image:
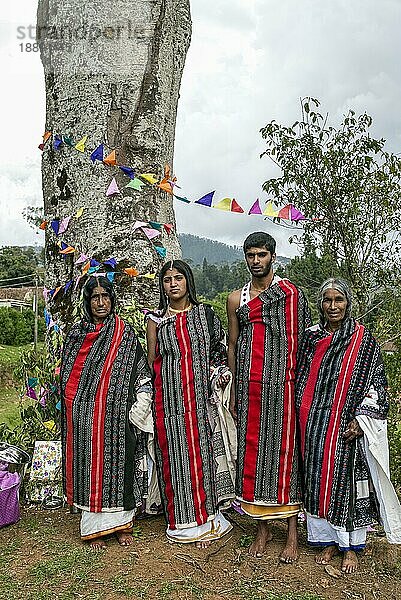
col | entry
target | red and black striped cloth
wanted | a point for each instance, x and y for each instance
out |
(192, 486)
(102, 366)
(334, 376)
(270, 327)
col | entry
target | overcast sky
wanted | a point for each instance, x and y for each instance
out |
(249, 62)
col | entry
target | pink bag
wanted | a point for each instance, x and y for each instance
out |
(9, 496)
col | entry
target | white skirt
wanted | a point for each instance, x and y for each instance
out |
(322, 533)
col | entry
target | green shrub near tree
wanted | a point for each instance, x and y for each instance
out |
(17, 328)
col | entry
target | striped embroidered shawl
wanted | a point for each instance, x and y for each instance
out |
(193, 473)
(270, 325)
(334, 376)
(102, 367)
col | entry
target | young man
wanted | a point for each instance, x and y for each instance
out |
(266, 320)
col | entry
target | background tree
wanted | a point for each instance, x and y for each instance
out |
(349, 188)
(112, 72)
(17, 262)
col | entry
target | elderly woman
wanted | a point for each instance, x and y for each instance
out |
(103, 373)
(194, 430)
(342, 406)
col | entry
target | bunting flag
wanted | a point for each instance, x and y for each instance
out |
(128, 171)
(150, 233)
(168, 228)
(67, 285)
(83, 258)
(138, 225)
(86, 267)
(155, 225)
(224, 204)
(284, 213)
(67, 140)
(63, 226)
(206, 200)
(57, 142)
(110, 276)
(296, 215)
(45, 137)
(79, 213)
(131, 272)
(182, 199)
(149, 275)
(110, 159)
(110, 262)
(55, 224)
(269, 210)
(135, 184)
(32, 382)
(255, 208)
(166, 186)
(43, 225)
(80, 146)
(161, 251)
(113, 188)
(98, 154)
(149, 177)
(67, 250)
(235, 207)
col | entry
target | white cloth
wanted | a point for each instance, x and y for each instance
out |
(104, 522)
(375, 444)
(322, 533)
(214, 529)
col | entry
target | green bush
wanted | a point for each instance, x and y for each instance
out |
(17, 328)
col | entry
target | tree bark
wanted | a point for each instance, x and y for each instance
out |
(113, 73)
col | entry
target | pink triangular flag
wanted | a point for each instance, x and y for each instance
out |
(255, 208)
(64, 225)
(139, 224)
(83, 258)
(113, 188)
(150, 233)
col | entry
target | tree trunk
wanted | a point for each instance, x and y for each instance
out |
(113, 73)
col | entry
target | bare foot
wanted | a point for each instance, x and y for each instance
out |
(97, 544)
(290, 552)
(263, 536)
(202, 545)
(350, 562)
(325, 556)
(124, 538)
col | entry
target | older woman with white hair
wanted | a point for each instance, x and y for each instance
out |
(341, 395)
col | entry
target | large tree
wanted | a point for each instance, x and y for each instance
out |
(112, 72)
(348, 186)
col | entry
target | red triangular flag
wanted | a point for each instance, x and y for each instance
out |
(235, 207)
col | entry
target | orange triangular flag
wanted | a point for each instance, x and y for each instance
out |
(86, 267)
(110, 159)
(166, 186)
(235, 207)
(131, 272)
(43, 225)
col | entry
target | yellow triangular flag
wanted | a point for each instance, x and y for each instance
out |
(149, 177)
(269, 210)
(81, 144)
(224, 204)
(149, 275)
(79, 213)
(50, 425)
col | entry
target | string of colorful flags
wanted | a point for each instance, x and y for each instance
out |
(167, 183)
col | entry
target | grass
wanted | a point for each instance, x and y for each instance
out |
(9, 389)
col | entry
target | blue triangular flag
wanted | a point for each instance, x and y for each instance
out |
(57, 142)
(128, 171)
(206, 200)
(111, 262)
(58, 405)
(155, 225)
(55, 225)
(97, 154)
(110, 276)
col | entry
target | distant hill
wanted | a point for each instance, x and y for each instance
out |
(196, 249)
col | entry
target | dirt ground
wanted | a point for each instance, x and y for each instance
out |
(42, 558)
